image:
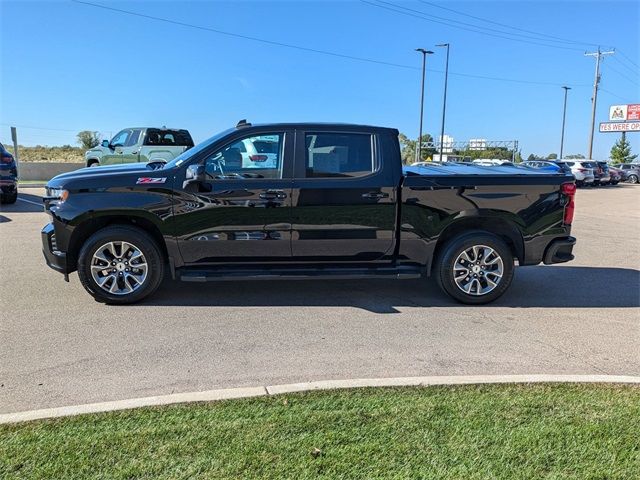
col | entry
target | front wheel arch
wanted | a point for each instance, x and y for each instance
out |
(88, 227)
(151, 271)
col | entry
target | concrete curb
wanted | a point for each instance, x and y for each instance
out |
(246, 392)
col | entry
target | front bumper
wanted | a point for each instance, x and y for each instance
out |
(559, 251)
(54, 257)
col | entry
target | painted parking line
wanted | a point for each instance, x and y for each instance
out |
(30, 201)
(260, 391)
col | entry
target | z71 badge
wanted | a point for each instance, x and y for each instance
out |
(151, 180)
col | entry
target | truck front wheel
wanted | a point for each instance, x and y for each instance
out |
(475, 268)
(120, 265)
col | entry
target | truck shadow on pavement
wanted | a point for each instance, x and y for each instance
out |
(26, 203)
(532, 287)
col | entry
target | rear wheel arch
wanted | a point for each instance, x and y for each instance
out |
(93, 162)
(505, 230)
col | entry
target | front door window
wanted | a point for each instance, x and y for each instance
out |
(120, 140)
(252, 157)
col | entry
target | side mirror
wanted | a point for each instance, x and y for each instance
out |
(194, 174)
(105, 143)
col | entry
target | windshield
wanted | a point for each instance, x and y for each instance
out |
(187, 154)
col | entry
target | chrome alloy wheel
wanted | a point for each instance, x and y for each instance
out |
(478, 270)
(119, 268)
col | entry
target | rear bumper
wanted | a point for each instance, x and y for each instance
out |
(559, 251)
(54, 258)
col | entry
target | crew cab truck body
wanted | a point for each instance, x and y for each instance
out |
(334, 203)
(140, 145)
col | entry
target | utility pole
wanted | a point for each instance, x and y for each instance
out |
(598, 54)
(14, 139)
(424, 63)
(444, 101)
(564, 115)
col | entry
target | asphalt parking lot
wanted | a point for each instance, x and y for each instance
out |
(59, 347)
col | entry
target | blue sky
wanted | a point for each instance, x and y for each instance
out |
(68, 66)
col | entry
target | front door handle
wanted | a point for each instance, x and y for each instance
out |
(375, 195)
(273, 195)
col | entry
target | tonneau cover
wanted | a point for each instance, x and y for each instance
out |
(443, 169)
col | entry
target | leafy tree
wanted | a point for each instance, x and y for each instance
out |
(621, 151)
(408, 148)
(518, 156)
(575, 156)
(531, 157)
(552, 156)
(88, 139)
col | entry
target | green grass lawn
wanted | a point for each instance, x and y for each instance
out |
(465, 432)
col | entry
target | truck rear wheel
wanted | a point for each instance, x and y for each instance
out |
(120, 265)
(475, 268)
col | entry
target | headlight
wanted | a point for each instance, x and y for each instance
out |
(57, 194)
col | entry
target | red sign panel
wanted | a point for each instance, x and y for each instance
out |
(633, 111)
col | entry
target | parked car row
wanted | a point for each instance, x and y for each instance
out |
(589, 172)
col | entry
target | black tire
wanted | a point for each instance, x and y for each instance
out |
(143, 242)
(579, 183)
(632, 179)
(444, 266)
(9, 198)
(93, 163)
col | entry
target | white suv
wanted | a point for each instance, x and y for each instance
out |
(259, 152)
(582, 170)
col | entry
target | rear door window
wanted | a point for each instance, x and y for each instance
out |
(338, 155)
(173, 138)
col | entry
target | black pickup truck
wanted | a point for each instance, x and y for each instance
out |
(295, 201)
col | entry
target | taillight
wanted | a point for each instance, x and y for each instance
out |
(569, 192)
(258, 158)
(6, 159)
(583, 170)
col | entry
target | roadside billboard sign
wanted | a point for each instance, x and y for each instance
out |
(619, 127)
(633, 111)
(623, 113)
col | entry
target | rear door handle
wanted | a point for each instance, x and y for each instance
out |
(375, 195)
(273, 195)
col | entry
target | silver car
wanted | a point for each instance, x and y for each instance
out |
(582, 170)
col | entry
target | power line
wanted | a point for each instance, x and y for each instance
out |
(247, 37)
(454, 24)
(628, 59)
(322, 52)
(631, 69)
(38, 128)
(557, 39)
(609, 67)
(625, 100)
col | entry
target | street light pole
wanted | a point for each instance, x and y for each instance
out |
(444, 101)
(424, 64)
(564, 116)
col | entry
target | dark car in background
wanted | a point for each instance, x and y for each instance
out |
(601, 173)
(617, 175)
(8, 177)
(632, 170)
